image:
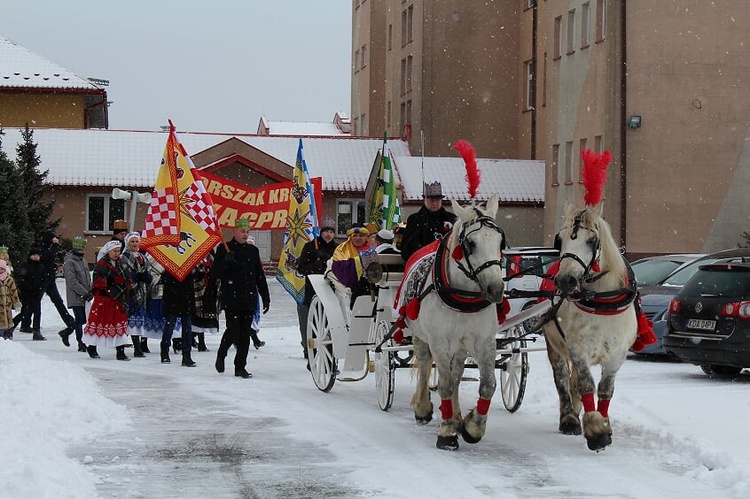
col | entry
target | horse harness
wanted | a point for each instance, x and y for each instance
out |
(462, 300)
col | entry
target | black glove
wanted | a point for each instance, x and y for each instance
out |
(229, 258)
(266, 306)
(88, 296)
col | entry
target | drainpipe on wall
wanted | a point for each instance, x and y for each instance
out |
(623, 128)
(534, 59)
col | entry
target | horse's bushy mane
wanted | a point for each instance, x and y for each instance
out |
(610, 258)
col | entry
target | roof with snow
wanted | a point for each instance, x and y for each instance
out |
(268, 127)
(514, 180)
(97, 157)
(22, 68)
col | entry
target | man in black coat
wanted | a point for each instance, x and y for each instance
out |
(428, 224)
(50, 249)
(242, 279)
(315, 254)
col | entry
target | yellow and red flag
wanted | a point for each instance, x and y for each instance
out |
(181, 225)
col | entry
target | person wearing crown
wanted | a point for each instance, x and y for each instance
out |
(428, 224)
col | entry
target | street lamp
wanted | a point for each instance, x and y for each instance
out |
(134, 198)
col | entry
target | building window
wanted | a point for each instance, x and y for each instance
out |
(598, 143)
(348, 213)
(403, 116)
(390, 37)
(363, 124)
(569, 160)
(408, 73)
(388, 115)
(408, 112)
(585, 25)
(601, 20)
(102, 211)
(529, 65)
(410, 23)
(557, 48)
(581, 148)
(544, 81)
(364, 56)
(403, 76)
(356, 61)
(555, 165)
(571, 31)
(403, 29)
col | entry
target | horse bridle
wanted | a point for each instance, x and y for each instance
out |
(468, 269)
(588, 275)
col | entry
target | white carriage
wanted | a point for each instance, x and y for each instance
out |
(347, 344)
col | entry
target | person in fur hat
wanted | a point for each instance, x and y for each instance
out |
(77, 289)
(108, 320)
(9, 300)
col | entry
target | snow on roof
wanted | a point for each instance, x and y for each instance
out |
(302, 128)
(110, 158)
(22, 68)
(514, 180)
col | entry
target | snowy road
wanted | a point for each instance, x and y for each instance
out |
(196, 433)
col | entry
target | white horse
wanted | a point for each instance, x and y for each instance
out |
(594, 322)
(456, 318)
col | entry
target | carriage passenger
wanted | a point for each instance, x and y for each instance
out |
(347, 265)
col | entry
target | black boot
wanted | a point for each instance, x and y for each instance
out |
(81, 346)
(202, 342)
(37, 335)
(64, 335)
(137, 347)
(222, 352)
(144, 345)
(165, 355)
(187, 361)
(257, 342)
(8, 334)
(91, 349)
(177, 345)
(121, 353)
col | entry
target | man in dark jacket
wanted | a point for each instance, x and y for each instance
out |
(315, 254)
(241, 275)
(428, 224)
(30, 282)
(50, 249)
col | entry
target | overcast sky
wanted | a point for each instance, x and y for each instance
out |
(209, 65)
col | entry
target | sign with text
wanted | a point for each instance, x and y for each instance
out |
(266, 207)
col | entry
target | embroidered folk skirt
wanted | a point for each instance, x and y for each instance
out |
(107, 324)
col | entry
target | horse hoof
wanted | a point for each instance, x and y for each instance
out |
(447, 443)
(599, 442)
(423, 419)
(570, 428)
(468, 437)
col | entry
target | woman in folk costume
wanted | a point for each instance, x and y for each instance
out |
(108, 320)
(351, 258)
(205, 319)
(9, 300)
(138, 272)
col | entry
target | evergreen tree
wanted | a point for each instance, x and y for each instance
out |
(35, 186)
(15, 231)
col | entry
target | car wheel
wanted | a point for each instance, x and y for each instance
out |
(720, 370)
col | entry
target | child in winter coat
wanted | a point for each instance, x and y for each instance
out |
(31, 281)
(77, 290)
(8, 301)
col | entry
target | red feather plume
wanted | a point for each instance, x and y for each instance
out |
(473, 174)
(594, 175)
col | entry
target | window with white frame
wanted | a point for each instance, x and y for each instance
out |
(557, 47)
(529, 65)
(349, 212)
(601, 20)
(101, 212)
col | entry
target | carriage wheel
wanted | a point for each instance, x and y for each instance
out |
(385, 372)
(320, 347)
(513, 373)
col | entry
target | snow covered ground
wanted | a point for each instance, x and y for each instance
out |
(82, 428)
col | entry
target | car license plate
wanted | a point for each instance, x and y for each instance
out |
(704, 324)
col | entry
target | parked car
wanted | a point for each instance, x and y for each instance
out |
(709, 318)
(536, 260)
(652, 270)
(655, 299)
